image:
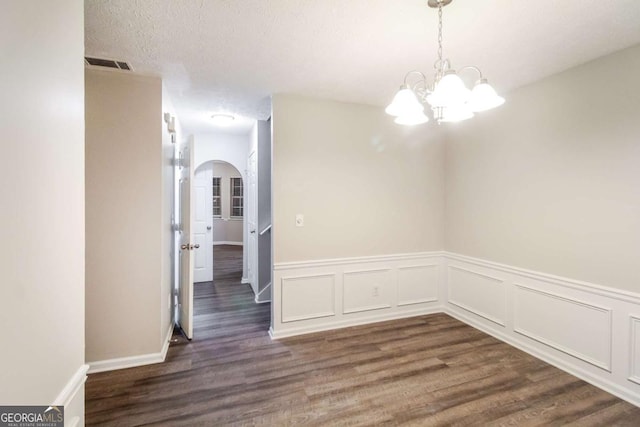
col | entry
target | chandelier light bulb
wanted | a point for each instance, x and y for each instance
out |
(484, 97)
(405, 103)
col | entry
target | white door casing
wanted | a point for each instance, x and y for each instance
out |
(251, 215)
(203, 224)
(185, 292)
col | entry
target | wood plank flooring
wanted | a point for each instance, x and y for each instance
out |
(428, 370)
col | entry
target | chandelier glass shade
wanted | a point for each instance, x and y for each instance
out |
(449, 98)
(405, 103)
(484, 97)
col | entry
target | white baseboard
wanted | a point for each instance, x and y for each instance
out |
(133, 361)
(264, 296)
(591, 331)
(167, 341)
(72, 398)
(224, 242)
(70, 389)
(125, 362)
(382, 317)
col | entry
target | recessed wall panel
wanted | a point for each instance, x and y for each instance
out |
(574, 327)
(418, 284)
(199, 260)
(200, 195)
(478, 293)
(307, 297)
(367, 290)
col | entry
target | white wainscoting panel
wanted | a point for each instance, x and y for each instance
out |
(366, 290)
(478, 293)
(588, 330)
(556, 321)
(308, 297)
(418, 284)
(634, 350)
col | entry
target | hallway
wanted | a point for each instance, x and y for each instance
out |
(225, 307)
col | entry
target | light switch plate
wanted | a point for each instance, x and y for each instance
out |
(299, 220)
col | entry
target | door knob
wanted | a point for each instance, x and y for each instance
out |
(253, 231)
(189, 247)
(208, 227)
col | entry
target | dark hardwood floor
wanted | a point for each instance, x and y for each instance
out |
(428, 370)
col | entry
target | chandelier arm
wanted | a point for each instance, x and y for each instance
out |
(421, 90)
(420, 73)
(420, 87)
(471, 67)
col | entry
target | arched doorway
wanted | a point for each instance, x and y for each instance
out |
(219, 217)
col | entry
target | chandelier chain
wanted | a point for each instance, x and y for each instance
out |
(438, 65)
(440, 32)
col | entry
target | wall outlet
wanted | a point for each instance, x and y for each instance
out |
(299, 220)
(376, 291)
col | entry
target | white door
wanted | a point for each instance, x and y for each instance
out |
(185, 292)
(252, 218)
(203, 224)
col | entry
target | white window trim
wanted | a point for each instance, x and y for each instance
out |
(219, 197)
(231, 197)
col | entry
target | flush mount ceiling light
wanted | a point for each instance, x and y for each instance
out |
(222, 119)
(449, 98)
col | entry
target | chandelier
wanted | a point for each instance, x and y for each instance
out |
(449, 98)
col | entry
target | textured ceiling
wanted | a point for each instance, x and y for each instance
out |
(231, 55)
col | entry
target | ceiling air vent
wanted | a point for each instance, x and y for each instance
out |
(108, 63)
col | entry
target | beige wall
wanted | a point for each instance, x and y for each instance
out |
(124, 205)
(42, 188)
(551, 180)
(365, 185)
